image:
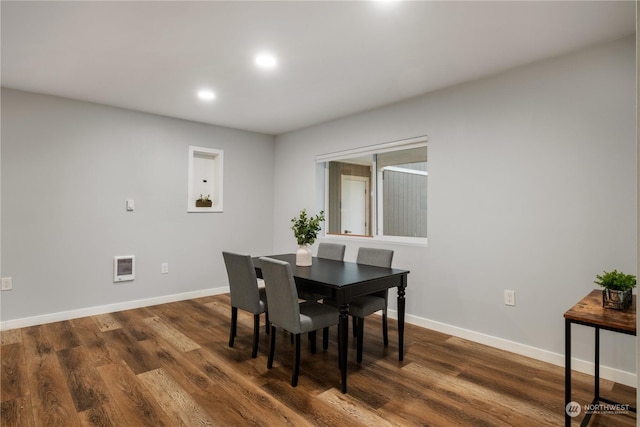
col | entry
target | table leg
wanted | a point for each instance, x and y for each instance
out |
(343, 346)
(567, 370)
(401, 303)
(596, 380)
(596, 385)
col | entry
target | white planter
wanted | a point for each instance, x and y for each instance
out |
(304, 256)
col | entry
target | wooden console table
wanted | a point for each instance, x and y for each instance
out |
(589, 312)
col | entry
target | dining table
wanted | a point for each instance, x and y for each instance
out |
(344, 281)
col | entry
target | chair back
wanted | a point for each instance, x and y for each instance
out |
(374, 256)
(331, 251)
(243, 282)
(282, 294)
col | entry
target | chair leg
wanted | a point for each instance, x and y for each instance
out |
(234, 322)
(296, 363)
(325, 338)
(256, 335)
(272, 347)
(312, 341)
(355, 327)
(385, 333)
(267, 324)
(360, 339)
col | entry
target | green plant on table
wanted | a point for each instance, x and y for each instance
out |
(615, 280)
(305, 228)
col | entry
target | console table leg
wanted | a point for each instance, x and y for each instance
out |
(596, 385)
(567, 371)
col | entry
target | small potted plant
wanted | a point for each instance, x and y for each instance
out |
(617, 289)
(305, 229)
(204, 201)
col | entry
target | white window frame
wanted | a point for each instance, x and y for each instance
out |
(376, 214)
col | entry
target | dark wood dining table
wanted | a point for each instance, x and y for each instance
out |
(346, 281)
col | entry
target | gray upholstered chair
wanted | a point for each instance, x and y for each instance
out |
(288, 313)
(245, 294)
(332, 251)
(363, 306)
(368, 304)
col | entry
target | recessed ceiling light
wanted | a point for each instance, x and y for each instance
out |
(266, 60)
(206, 95)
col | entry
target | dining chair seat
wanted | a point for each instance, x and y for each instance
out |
(365, 305)
(315, 316)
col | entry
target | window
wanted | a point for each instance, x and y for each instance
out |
(378, 191)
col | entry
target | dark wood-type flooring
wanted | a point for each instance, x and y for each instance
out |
(170, 365)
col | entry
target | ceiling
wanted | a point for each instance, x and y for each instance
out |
(335, 58)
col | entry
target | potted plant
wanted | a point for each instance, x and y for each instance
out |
(305, 229)
(204, 201)
(617, 289)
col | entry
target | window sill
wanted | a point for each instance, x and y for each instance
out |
(396, 240)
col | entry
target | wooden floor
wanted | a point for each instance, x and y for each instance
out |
(170, 365)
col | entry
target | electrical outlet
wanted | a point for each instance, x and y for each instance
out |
(7, 283)
(509, 297)
(164, 268)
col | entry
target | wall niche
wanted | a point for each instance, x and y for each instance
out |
(205, 179)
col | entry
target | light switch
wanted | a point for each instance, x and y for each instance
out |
(130, 205)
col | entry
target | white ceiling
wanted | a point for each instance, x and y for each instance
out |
(335, 58)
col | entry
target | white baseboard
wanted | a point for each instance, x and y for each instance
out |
(612, 374)
(616, 375)
(110, 308)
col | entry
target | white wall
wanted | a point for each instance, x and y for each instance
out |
(68, 168)
(532, 187)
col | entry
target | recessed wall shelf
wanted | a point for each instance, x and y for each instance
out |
(205, 179)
